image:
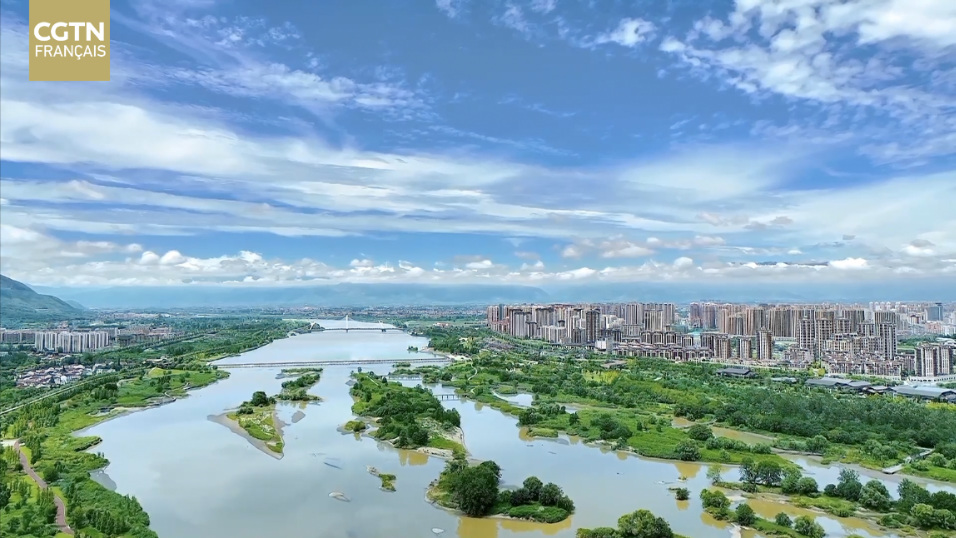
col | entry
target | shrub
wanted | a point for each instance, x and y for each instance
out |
(783, 520)
(745, 515)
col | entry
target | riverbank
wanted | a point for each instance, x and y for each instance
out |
(63, 455)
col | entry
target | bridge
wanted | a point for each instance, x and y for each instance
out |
(307, 364)
(381, 327)
(448, 397)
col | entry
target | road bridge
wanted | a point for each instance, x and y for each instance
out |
(380, 327)
(307, 364)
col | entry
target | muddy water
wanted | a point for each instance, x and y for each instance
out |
(198, 479)
(746, 437)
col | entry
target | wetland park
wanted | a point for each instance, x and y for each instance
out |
(505, 443)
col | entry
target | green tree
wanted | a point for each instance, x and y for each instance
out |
(849, 486)
(700, 432)
(874, 496)
(573, 419)
(687, 451)
(769, 473)
(923, 515)
(643, 524)
(791, 482)
(744, 514)
(259, 398)
(476, 490)
(533, 486)
(682, 494)
(550, 494)
(808, 527)
(4, 495)
(807, 486)
(783, 520)
(818, 444)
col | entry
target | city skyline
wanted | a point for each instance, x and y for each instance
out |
(842, 339)
(538, 142)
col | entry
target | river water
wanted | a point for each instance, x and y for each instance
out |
(197, 479)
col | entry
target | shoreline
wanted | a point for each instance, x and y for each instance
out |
(233, 426)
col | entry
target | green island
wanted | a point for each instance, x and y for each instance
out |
(257, 416)
(474, 490)
(297, 390)
(53, 464)
(388, 480)
(407, 417)
(355, 426)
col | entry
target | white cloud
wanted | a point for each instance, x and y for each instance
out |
(683, 261)
(157, 168)
(850, 264)
(628, 33)
(173, 257)
(514, 18)
(451, 8)
(483, 264)
(851, 59)
(543, 6)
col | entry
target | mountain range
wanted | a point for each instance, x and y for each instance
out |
(20, 304)
(351, 294)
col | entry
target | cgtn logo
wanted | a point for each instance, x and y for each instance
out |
(59, 31)
(69, 40)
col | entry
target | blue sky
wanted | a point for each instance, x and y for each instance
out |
(534, 142)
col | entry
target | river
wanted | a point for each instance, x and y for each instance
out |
(197, 479)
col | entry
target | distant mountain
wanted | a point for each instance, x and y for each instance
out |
(76, 305)
(344, 295)
(334, 295)
(19, 304)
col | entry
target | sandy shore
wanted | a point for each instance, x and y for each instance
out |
(234, 427)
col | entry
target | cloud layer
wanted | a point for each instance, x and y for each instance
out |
(98, 181)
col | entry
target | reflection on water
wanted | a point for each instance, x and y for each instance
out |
(197, 479)
(470, 527)
(412, 457)
(687, 470)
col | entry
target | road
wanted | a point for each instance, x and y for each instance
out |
(52, 393)
(60, 506)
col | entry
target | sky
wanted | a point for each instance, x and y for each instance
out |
(537, 142)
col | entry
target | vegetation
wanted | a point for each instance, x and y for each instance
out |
(257, 417)
(355, 426)
(638, 524)
(388, 481)
(474, 490)
(408, 417)
(297, 390)
(46, 428)
(633, 408)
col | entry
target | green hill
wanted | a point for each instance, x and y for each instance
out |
(19, 305)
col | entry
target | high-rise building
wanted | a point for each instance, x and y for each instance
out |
(887, 339)
(935, 312)
(592, 324)
(806, 336)
(765, 345)
(745, 348)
